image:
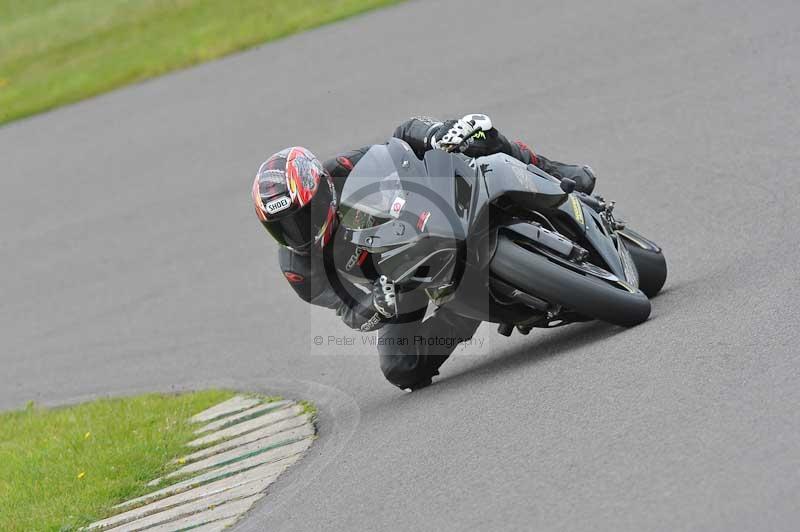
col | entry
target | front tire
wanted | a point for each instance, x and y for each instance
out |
(538, 276)
(652, 268)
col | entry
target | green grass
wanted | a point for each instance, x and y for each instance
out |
(54, 52)
(65, 467)
(309, 408)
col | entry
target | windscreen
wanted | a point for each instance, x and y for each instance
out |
(373, 192)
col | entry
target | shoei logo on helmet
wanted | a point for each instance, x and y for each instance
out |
(278, 204)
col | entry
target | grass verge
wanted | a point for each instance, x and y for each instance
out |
(63, 468)
(54, 52)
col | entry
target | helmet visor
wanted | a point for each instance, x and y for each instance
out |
(299, 228)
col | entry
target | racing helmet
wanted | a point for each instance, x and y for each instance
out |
(295, 199)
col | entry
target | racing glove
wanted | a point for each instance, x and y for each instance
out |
(384, 298)
(456, 134)
(384, 304)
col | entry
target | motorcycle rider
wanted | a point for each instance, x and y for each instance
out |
(295, 198)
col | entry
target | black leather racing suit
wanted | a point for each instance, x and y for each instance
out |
(407, 358)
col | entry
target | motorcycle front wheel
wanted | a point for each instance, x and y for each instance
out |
(535, 274)
(652, 268)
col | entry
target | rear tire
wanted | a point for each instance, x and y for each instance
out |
(538, 276)
(652, 268)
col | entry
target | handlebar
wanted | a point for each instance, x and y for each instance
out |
(595, 203)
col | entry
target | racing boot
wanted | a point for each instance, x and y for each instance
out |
(583, 175)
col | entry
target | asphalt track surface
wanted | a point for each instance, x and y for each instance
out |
(132, 260)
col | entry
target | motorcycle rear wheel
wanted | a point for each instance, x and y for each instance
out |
(585, 294)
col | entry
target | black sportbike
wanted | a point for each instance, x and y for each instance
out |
(494, 239)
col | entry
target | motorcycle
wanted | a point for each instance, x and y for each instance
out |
(493, 239)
